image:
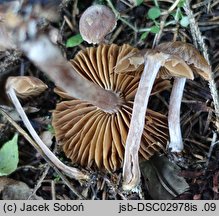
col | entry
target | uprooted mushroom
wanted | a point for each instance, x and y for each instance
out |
(175, 59)
(96, 138)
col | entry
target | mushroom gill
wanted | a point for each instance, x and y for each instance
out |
(94, 138)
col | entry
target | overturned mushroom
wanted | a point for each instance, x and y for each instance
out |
(96, 22)
(88, 135)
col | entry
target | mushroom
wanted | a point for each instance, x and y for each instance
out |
(169, 64)
(24, 87)
(95, 138)
(96, 22)
(198, 64)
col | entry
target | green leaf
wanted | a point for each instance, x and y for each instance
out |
(155, 29)
(154, 13)
(184, 21)
(181, 3)
(101, 2)
(9, 156)
(51, 129)
(74, 41)
(144, 36)
(138, 2)
(177, 15)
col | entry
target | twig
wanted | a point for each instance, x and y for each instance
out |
(39, 182)
(173, 6)
(163, 22)
(74, 12)
(25, 167)
(118, 16)
(53, 191)
(213, 143)
(198, 39)
(114, 188)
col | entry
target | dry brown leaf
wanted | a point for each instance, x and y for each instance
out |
(163, 175)
(11, 189)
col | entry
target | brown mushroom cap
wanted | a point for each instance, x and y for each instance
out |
(174, 66)
(88, 135)
(26, 86)
(96, 22)
(189, 54)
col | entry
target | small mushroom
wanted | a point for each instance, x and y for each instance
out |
(170, 64)
(24, 87)
(96, 22)
(95, 138)
(199, 65)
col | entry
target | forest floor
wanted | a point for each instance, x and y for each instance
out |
(197, 165)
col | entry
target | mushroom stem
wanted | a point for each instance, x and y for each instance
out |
(71, 172)
(131, 171)
(176, 143)
(50, 60)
